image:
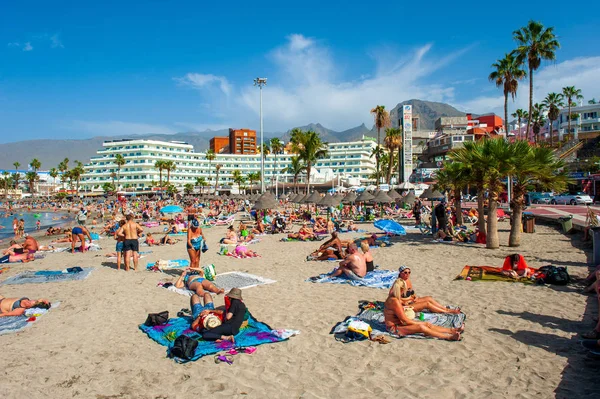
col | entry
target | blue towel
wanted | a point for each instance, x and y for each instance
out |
(173, 264)
(375, 279)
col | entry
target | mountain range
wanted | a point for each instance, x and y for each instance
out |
(50, 152)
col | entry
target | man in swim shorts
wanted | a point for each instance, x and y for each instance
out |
(130, 230)
(354, 266)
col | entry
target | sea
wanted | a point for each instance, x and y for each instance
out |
(30, 218)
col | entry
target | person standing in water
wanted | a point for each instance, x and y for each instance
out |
(131, 246)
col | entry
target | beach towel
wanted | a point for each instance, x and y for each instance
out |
(228, 281)
(253, 333)
(489, 273)
(234, 255)
(12, 324)
(372, 314)
(375, 279)
(171, 264)
(48, 276)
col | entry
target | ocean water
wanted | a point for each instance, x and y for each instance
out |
(30, 218)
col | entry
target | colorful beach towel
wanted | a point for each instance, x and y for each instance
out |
(234, 255)
(12, 324)
(253, 333)
(372, 314)
(49, 276)
(228, 281)
(489, 273)
(375, 279)
(171, 264)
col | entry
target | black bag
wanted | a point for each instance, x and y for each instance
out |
(555, 275)
(184, 347)
(157, 319)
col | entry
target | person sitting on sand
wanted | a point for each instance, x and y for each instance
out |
(231, 237)
(442, 235)
(354, 266)
(420, 303)
(233, 317)
(364, 246)
(31, 245)
(352, 226)
(14, 249)
(259, 227)
(193, 280)
(398, 323)
(18, 306)
(79, 233)
(331, 249)
(305, 233)
(516, 267)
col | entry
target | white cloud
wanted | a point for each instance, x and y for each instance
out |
(117, 128)
(55, 41)
(201, 81)
(27, 46)
(14, 44)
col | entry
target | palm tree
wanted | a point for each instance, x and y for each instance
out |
(169, 166)
(252, 177)
(276, 148)
(238, 178)
(31, 178)
(76, 174)
(392, 141)
(201, 181)
(554, 102)
(537, 119)
(63, 167)
(592, 101)
(119, 161)
(507, 74)
(6, 183)
(455, 177)
(310, 148)
(534, 44)
(218, 168)
(16, 175)
(188, 188)
(295, 168)
(160, 165)
(382, 120)
(35, 164)
(53, 174)
(571, 93)
(520, 114)
(210, 156)
(531, 165)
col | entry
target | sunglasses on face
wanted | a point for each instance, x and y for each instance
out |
(405, 272)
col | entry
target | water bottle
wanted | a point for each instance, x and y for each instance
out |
(421, 316)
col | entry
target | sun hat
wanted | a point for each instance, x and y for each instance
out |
(211, 321)
(235, 293)
(403, 268)
(195, 223)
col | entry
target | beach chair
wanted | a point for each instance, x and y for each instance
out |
(502, 216)
(225, 222)
(425, 226)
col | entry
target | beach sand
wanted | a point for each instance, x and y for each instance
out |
(520, 341)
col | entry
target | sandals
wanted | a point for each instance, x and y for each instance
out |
(591, 335)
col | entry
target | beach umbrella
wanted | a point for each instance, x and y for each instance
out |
(393, 194)
(349, 198)
(390, 226)
(431, 194)
(266, 203)
(171, 209)
(406, 186)
(364, 197)
(314, 198)
(409, 198)
(329, 201)
(382, 198)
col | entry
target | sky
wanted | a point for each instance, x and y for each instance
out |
(72, 69)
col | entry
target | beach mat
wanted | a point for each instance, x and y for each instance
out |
(372, 314)
(375, 279)
(13, 324)
(230, 280)
(488, 273)
(47, 276)
(253, 334)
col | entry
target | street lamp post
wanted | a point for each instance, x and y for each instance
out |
(260, 82)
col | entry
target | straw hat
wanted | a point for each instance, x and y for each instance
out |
(211, 321)
(235, 293)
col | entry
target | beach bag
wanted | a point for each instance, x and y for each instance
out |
(409, 312)
(210, 272)
(184, 347)
(204, 246)
(360, 327)
(157, 319)
(555, 275)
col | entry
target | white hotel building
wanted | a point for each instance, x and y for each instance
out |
(348, 162)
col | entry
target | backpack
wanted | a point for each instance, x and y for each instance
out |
(555, 275)
(184, 348)
(157, 319)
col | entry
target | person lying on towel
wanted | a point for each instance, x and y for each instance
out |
(516, 267)
(219, 325)
(397, 322)
(17, 306)
(420, 303)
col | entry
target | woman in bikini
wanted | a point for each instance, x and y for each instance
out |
(193, 280)
(231, 237)
(420, 303)
(398, 323)
(195, 240)
(17, 306)
(364, 246)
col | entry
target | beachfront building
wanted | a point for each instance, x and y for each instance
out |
(585, 123)
(348, 163)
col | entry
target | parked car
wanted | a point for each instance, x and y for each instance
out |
(540, 198)
(572, 199)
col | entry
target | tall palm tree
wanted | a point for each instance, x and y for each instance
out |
(571, 94)
(63, 166)
(276, 148)
(520, 115)
(507, 73)
(537, 119)
(238, 178)
(16, 175)
(31, 178)
(531, 165)
(310, 148)
(119, 161)
(6, 182)
(210, 156)
(592, 101)
(534, 44)
(392, 141)
(454, 176)
(252, 177)
(201, 181)
(295, 168)
(53, 174)
(382, 120)
(218, 168)
(553, 102)
(76, 174)
(169, 166)
(160, 165)
(35, 164)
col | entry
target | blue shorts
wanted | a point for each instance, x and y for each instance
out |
(198, 308)
(119, 247)
(76, 231)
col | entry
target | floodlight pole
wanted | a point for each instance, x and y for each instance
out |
(260, 82)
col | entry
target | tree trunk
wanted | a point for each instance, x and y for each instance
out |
(551, 132)
(458, 207)
(506, 113)
(514, 239)
(492, 223)
(390, 166)
(480, 209)
(519, 124)
(530, 98)
(308, 168)
(569, 100)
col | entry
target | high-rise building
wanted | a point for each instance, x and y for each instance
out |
(242, 141)
(219, 145)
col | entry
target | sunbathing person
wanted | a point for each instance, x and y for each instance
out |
(233, 318)
(420, 303)
(150, 240)
(516, 267)
(193, 280)
(364, 246)
(167, 240)
(354, 266)
(352, 226)
(24, 257)
(14, 249)
(259, 228)
(331, 249)
(595, 333)
(243, 252)
(231, 237)
(305, 233)
(17, 307)
(398, 323)
(31, 245)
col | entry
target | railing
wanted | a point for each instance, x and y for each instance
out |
(569, 148)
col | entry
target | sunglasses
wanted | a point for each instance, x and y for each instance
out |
(405, 272)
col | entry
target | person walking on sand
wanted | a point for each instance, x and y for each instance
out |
(131, 246)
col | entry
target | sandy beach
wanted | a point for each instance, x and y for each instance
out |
(520, 341)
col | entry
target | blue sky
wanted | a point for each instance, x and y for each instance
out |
(113, 68)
